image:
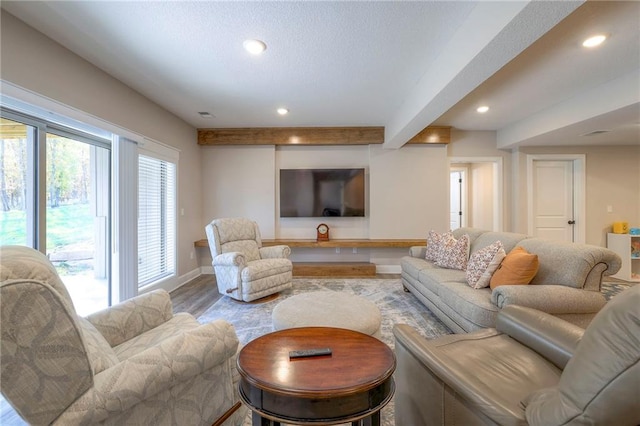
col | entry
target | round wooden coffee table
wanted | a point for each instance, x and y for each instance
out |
(350, 385)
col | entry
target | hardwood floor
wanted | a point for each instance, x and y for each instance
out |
(196, 296)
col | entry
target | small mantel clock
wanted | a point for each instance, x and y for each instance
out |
(323, 232)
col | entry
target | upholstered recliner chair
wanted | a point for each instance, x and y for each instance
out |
(533, 369)
(135, 363)
(244, 269)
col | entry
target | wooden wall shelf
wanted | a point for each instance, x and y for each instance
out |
(335, 269)
(351, 243)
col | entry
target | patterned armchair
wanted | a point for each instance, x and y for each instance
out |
(244, 269)
(132, 364)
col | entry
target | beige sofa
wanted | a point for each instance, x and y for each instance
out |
(567, 284)
(533, 369)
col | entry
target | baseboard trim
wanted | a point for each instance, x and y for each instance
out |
(172, 283)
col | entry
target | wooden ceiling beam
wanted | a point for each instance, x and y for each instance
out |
(314, 136)
(432, 134)
(292, 136)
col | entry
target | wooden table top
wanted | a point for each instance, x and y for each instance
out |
(358, 363)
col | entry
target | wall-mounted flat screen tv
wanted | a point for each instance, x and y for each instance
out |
(322, 192)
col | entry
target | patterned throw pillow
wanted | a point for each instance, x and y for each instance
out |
(453, 253)
(434, 243)
(483, 263)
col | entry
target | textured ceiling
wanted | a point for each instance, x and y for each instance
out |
(402, 65)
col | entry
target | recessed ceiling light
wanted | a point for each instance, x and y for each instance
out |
(283, 111)
(482, 109)
(255, 47)
(205, 114)
(594, 41)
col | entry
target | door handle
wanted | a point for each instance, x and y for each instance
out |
(571, 222)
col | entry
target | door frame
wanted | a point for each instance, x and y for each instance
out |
(498, 185)
(579, 187)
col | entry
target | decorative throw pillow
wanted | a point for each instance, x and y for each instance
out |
(453, 253)
(483, 263)
(518, 267)
(434, 243)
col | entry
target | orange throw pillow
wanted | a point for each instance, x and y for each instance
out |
(518, 267)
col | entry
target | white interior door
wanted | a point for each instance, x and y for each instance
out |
(553, 201)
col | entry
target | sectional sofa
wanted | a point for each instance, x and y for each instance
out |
(567, 283)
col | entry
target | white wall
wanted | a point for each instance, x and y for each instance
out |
(239, 181)
(409, 192)
(481, 183)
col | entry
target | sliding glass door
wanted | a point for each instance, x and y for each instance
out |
(55, 196)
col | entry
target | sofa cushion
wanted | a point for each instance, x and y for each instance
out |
(471, 304)
(175, 326)
(264, 268)
(434, 277)
(249, 248)
(412, 265)
(518, 267)
(453, 254)
(509, 240)
(483, 263)
(473, 233)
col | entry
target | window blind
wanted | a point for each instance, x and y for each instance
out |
(156, 219)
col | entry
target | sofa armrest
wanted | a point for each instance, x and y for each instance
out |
(160, 367)
(418, 251)
(553, 299)
(133, 317)
(275, 252)
(551, 337)
(232, 258)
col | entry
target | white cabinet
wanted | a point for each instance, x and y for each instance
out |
(628, 247)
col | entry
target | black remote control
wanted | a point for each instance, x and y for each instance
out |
(309, 353)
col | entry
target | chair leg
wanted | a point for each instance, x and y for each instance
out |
(227, 414)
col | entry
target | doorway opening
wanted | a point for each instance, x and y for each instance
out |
(480, 192)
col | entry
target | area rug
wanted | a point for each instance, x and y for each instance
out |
(252, 320)
(396, 306)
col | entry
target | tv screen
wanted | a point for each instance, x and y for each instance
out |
(321, 192)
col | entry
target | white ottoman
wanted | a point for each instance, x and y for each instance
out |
(328, 309)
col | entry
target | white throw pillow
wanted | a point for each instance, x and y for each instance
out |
(483, 263)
